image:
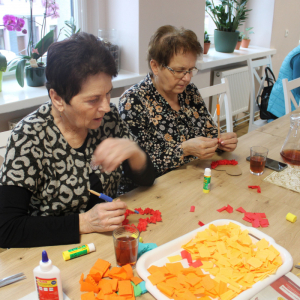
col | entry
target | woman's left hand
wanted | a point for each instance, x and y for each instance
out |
(113, 151)
(228, 141)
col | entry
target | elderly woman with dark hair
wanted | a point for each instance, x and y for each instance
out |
(53, 154)
(165, 111)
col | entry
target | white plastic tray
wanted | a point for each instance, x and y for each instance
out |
(158, 257)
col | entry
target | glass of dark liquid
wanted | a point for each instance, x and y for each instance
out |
(290, 151)
(126, 243)
(258, 156)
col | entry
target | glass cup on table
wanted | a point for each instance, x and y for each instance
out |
(126, 243)
(258, 156)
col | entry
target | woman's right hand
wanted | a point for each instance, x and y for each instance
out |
(102, 217)
(201, 147)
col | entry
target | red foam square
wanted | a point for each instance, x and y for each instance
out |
(240, 209)
(255, 223)
(221, 209)
(196, 263)
(258, 189)
(247, 219)
(229, 209)
(200, 223)
(192, 209)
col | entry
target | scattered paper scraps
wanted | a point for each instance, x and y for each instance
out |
(255, 187)
(221, 162)
(228, 254)
(192, 209)
(106, 283)
(256, 219)
(143, 223)
(200, 223)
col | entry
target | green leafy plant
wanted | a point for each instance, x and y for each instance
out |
(206, 37)
(240, 37)
(245, 36)
(3, 63)
(35, 51)
(229, 15)
(71, 28)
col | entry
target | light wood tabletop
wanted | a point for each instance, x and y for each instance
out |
(173, 194)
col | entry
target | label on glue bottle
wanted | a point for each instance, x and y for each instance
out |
(47, 288)
(206, 180)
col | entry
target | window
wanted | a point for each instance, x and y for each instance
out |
(17, 41)
(209, 24)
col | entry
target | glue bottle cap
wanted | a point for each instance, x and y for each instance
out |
(91, 247)
(207, 172)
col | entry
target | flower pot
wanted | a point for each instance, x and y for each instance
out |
(206, 48)
(238, 45)
(245, 43)
(225, 41)
(35, 76)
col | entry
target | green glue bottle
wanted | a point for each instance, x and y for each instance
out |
(206, 180)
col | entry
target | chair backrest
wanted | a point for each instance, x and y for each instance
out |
(288, 86)
(252, 68)
(223, 91)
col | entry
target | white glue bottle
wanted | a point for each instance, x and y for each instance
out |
(47, 280)
(206, 180)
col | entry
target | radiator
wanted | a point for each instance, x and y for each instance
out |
(239, 85)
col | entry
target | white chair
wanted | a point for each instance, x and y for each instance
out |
(288, 86)
(223, 91)
(115, 101)
(252, 67)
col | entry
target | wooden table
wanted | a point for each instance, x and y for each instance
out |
(173, 194)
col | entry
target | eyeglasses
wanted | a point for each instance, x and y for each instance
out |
(180, 74)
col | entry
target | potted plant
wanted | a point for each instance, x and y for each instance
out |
(206, 43)
(227, 16)
(32, 62)
(246, 39)
(238, 44)
(3, 66)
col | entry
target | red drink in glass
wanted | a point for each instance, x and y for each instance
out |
(257, 164)
(126, 249)
(291, 156)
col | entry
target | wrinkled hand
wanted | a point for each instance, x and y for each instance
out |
(113, 151)
(102, 217)
(228, 141)
(201, 147)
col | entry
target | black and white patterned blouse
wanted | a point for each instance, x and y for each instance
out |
(159, 129)
(39, 159)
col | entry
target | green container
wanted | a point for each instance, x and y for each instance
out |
(225, 41)
(35, 76)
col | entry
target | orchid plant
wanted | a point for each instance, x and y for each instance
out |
(34, 51)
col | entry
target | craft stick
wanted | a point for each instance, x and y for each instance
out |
(218, 114)
(108, 199)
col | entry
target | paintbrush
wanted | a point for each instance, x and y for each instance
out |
(218, 115)
(109, 199)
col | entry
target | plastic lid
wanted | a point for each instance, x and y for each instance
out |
(207, 172)
(91, 247)
(44, 257)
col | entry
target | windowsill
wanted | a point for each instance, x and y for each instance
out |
(13, 97)
(217, 59)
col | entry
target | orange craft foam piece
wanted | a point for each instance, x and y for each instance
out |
(125, 288)
(136, 280)
(88, 296)
(128, 270)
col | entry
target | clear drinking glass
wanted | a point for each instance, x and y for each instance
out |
(126, 243)
(258, 156)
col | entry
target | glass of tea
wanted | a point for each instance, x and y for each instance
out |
(126, 243)
(258, 156)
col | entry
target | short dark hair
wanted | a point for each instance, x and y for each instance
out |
(71, 61)
(168, 41)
